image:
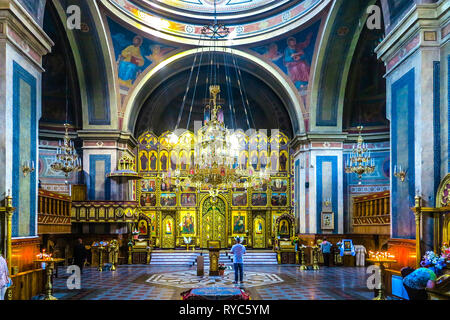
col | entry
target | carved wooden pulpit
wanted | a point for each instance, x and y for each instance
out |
(214, 253)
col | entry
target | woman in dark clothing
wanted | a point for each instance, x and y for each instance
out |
(79, 254)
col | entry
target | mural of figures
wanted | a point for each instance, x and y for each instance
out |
(168, 227)
(134, 53)
(243, 160)
(240, 199)
(259, 199)
(258, 226)
(279, 199)
(183, 160)
(259, 186)
(293, 55)
(263, 160)
(254, 160)
(167, 186)
(188, 199)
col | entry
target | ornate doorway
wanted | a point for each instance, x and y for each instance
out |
(259, 231)
(168, 231)
(214, 221)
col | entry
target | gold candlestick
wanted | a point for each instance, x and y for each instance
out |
(315, 252)
(382, 264)
(302, 252)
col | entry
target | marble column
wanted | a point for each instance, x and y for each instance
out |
(413, 53)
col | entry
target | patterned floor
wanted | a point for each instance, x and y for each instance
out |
(262, 282)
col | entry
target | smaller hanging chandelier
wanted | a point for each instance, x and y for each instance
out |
(67, 159)
(360, 161)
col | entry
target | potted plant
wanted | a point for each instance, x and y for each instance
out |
(222, 268)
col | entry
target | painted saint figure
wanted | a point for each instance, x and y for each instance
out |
(130, 61)
(298, 69)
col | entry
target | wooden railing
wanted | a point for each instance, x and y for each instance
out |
(53, 212)
(372, 209)
(105, 211)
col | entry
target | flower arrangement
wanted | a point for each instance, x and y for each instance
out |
(431, 259)
(445, 252)
(295, 240)
(222, 266)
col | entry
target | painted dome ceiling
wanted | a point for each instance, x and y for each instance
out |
(222, 6)
(249, 21)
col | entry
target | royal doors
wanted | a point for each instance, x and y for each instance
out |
(214, 221)
(259, 231)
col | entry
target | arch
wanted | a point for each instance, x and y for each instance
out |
(337, 46)
(183, 61)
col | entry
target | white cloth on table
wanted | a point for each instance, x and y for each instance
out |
(2, 293)
(360, 255)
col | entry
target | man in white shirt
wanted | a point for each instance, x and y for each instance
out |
(238, 250)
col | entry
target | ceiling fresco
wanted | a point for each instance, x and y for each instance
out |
(136, 12)
(222, 6)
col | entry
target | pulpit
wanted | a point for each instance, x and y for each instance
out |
(214, 253)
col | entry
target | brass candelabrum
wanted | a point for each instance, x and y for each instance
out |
(400, 173)
(360, 161)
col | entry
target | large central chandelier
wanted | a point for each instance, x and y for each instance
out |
(216, 148)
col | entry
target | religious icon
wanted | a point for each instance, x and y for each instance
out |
(274, 161)
(258, 227)
(239, 224)
(168, 199)
(283, 161)
(153, 161)
(163, 162)
(254, 160)
(244, 161)
(143, 160)
(298, 68)
(188, 199)
(183, 161)
(187, 223)
(173, 161)
(284, 227)
(279, 199)
(130, 61)
(239, 199)
(279, 185)
(327, 221)
(143, 227)
(259, 199)
(168, 227)
(263, 161)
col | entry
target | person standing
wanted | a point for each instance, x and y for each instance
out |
(325, 246)
(238, 250)
(4, 277)
(79, 254)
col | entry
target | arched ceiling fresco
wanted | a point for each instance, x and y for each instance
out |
(221, 6)
(183, 29)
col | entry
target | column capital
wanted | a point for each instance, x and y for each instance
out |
(21, 30)
(108, 139)
(425, 25)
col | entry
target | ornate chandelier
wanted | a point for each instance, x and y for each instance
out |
(216, 149)
(67, 159)
(216, 154)
(360, 161)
